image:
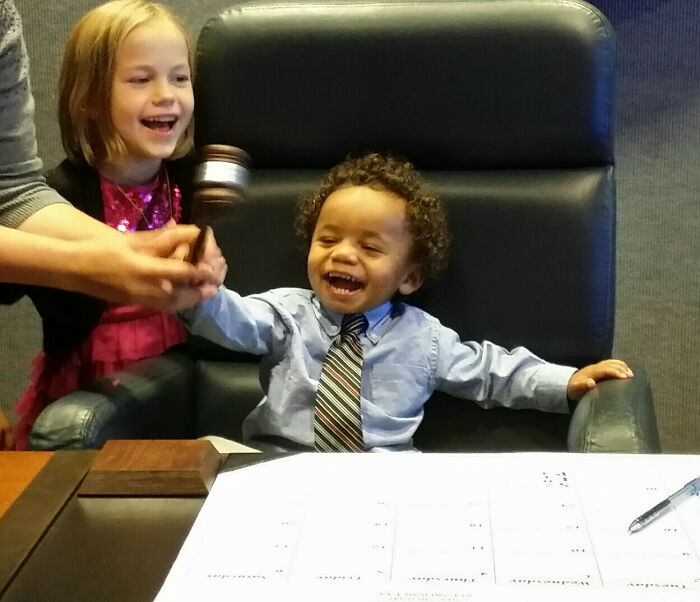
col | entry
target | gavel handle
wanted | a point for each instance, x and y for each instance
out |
(198, 247)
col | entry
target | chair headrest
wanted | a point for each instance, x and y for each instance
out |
(449, 85)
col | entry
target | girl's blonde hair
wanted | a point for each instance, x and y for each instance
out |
(87, 71)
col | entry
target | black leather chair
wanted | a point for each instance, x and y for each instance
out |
(506, 107)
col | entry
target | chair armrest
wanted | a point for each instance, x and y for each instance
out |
(616, 416)
(151, 400)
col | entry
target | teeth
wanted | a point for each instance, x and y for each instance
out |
(161, 124)
(343, 276)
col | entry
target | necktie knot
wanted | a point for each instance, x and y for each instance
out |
(353, 324)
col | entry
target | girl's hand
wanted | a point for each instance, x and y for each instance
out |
(586, 378)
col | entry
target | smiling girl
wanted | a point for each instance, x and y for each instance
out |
(125, 111)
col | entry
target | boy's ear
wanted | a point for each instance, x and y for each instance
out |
(413, 281)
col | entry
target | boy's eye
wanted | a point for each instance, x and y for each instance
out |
(326, 240)
(371, 248)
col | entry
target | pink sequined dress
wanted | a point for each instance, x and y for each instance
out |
(124, 334)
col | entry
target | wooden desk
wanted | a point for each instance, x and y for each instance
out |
(60, 546)
(34, 503)
(17, 470)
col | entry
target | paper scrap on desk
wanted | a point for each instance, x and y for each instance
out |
(413, 527)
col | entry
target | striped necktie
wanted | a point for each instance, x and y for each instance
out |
(338, 422)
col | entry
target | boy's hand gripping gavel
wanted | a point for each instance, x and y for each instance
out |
(220, 180)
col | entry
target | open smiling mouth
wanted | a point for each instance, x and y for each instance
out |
(160, 125)
(342, 283)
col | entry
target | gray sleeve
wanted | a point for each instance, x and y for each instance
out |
(23, 190)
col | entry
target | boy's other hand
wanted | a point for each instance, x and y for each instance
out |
(586, 378)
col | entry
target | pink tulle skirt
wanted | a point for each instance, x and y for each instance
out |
(124, 335)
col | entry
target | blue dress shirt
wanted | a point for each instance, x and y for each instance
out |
(408, 354)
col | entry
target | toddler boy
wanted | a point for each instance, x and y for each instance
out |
(373, 230)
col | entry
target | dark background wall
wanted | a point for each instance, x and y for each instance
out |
(658, 175)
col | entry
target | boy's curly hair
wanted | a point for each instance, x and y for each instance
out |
(425, 213)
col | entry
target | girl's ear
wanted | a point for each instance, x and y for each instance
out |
(413, 281)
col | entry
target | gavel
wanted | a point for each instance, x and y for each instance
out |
(220, 180)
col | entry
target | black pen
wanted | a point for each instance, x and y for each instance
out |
(662, 508)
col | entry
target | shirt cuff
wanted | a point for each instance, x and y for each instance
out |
(189, 314)
(552, 383)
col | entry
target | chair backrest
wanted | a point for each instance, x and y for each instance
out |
(504, 106)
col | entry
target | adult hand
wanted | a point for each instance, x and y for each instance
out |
(586, 378)
(181, 251)
(141, 271)
(211, 258)
(210, 255)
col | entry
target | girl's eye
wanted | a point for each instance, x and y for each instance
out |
(371, 248)
(182, 79)
(139, 80)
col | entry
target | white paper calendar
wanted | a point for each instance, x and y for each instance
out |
(410, 526)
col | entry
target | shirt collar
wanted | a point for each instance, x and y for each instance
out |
(330, 320)
(376, 318)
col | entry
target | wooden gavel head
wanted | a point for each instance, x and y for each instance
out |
(220, 180)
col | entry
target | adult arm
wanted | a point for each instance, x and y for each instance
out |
(65, 222)
(109, 269)
(23, 190)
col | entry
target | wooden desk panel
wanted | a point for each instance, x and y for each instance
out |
(27, 520)
(17, 470)
(98, 548)
(106, 548)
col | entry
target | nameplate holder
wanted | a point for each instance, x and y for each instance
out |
(159, 467)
